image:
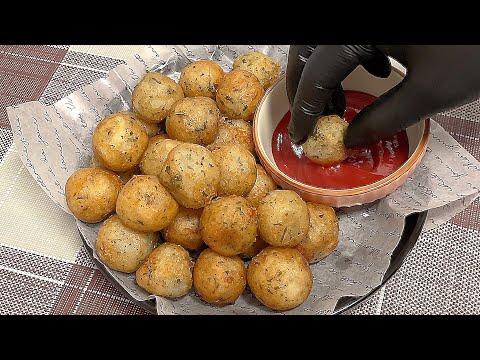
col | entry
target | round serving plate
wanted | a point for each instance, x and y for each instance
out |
(411, 231)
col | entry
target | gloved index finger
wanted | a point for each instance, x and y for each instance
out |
(298, 56)
(326, 68)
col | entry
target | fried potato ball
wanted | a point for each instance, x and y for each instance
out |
(283, 218)
(201, 78)
(263, 185)
(125, 176)
(191, 175)
(166, 272)
(152, 129)
(262, 66)
(228, 225)
(184, 230)
(233, 131)
(237, 169)
(144, 204)
(255, 249)
(280, 278)
(119, 141)
(325, 145)
(219, 279)
(156, 153)
(154, 97)
(322, 236)
(91, 193)
(239, 94)
(194, 120)
(121, 248)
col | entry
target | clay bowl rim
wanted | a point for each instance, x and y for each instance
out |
(411, 161)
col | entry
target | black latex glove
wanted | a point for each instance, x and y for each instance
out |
(439, 77)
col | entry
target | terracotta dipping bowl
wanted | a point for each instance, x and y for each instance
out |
(274, 106)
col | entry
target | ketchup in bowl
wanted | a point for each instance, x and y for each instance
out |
(366, 165)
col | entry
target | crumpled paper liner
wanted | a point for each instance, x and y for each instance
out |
(53, 141)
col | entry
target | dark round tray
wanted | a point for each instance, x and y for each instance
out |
(413, 227)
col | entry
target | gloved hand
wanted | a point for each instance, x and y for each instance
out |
(439, 77)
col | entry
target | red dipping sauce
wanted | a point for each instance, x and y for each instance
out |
(366, 165)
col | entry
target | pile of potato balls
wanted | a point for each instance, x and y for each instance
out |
(197, 191)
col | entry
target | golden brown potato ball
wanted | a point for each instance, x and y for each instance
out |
(201, 78)
(280, 278)
(154, 97)
(144, 204)
(228, 225)
(166, 272)
(194, 120)
(322, 236)
(219, 279)
(283, 218)
(237, 169)
(152, 129)
(233, 131)
(119, 141)
(263, 185)
(91, 193)
(125, 176)
(156, 153)
(239, 94)
(184, 230)
(262, 66)
(191, 175)
(325, 145)
(121, 248)
(255, 249)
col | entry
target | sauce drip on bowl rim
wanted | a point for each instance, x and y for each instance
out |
(365, 165)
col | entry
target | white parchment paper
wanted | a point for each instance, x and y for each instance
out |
(54, 141)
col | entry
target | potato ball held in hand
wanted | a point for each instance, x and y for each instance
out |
(280, 278)
(154, 97)
(233, 131)
(91, 193)
(239, 94)
(237, 169)
(144, 204)
(322, 236)
(191, 175)
(263, 185)
(283, 218)
(184, 230)
(201, 78)
(325, 145)
(119, 141)
(194, 120)
(228, 225)
(121, 248)
(156, 153)
(166, 272)
(219, 279)
(262, 66)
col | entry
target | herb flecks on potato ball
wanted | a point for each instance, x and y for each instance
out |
(154, 97)
(280, 278)
(144, 204)
(91, 193)
(119, 141)
(325, 145)
(166, 272)
(201, 78)
(219, 279)
(228, 225)
(283, 218)
(194, 120)
(121, 248)
(234, 131)
(263, 185)
(262, 66)
(191, 175)
(239, 94)
(156, 153)
(184, 230)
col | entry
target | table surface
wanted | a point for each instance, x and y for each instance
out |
(44, 268)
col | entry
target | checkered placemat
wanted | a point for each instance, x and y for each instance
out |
(44, 268)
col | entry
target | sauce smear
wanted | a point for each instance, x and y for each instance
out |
(366, 165)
